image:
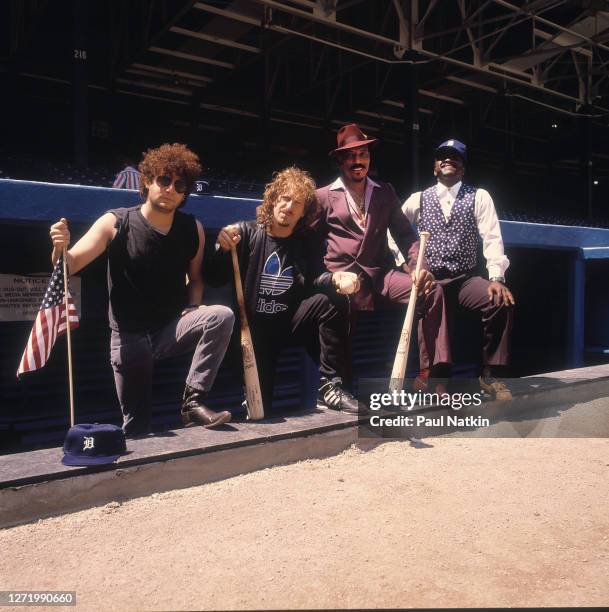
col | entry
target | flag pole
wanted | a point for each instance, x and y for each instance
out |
(68, 335)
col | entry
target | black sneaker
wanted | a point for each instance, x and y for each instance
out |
(332, 395)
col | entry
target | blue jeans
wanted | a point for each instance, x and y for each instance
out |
(206, 330)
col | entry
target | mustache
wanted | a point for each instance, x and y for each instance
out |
(357, 167)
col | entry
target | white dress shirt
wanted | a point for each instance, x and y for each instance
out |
(338, 185)
(486, 220)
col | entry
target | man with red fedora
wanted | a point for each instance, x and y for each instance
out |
(356, 213)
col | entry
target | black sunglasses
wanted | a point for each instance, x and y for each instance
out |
(179, 185)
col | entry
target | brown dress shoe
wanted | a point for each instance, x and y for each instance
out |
(195, 412)
(495, 388)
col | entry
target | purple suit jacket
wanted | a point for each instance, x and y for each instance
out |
(365, 254)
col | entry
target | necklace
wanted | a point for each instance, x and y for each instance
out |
(359, 202)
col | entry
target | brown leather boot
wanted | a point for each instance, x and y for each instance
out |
(195, 412)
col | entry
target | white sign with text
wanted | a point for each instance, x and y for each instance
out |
(21, 296)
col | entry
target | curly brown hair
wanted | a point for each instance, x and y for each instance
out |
(172, 159)
(300, 185)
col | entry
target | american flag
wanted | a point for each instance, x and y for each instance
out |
(50, 322)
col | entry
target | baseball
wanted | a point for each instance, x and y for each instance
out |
(347, 283)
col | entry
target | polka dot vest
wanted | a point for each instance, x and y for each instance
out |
(452, 248)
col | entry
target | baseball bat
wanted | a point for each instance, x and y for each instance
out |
(255, 407)
(401, 357)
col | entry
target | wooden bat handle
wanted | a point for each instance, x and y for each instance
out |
(423, 236)
(401, 357)
(239, 288)
(253, 395)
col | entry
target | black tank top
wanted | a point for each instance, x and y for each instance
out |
(147, 270)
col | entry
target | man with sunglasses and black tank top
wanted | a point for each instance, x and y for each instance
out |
(153, 313)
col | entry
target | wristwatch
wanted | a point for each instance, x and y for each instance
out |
(498, 279)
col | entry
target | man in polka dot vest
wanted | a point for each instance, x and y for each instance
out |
(355, 215)
(457, 215)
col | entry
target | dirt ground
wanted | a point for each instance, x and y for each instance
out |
(464, 522)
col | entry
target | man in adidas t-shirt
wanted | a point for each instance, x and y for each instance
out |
(284, 283)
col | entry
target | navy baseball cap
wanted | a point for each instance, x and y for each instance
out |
(455, 145)
(93, 444)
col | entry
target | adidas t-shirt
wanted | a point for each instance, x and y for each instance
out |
(276, 297)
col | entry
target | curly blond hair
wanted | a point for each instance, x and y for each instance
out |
(300, 185)
(170, 159)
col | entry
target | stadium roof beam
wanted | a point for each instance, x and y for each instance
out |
(201, 6)
(228, 109)
(347, 4)
(329, 43)
(148, 85)
(150, 40)
(535, 65)
(170, 72)
(139, 94)
(380, 116)
(182, 81)
(214, 39)
(312, 4)
(433, 94)
(420, 35)
(552, 24)
(298, 123)
(391, 118)
(429, 94)
(562, 40)
(330, 22)
(495, 69)
(471, 83)
(191, 57)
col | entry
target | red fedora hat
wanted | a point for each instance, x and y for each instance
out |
(349, 137)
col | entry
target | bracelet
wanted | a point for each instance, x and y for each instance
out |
(191, 306)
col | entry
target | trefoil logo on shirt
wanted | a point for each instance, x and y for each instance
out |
(274, 280)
